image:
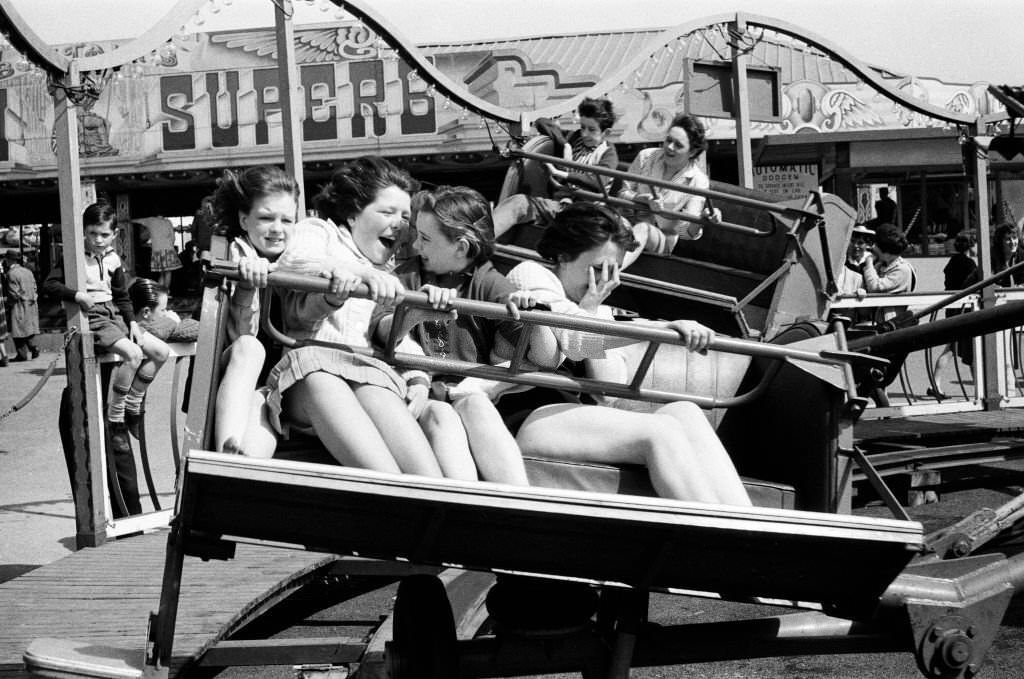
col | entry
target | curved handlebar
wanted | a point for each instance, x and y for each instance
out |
(673, 214)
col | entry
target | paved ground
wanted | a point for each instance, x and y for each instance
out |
(37, 520)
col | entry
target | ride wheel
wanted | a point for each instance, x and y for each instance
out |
(424, 643)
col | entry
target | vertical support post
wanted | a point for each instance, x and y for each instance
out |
(990, 349)
(88, 480)
(291, 115)
(924, 216)
(741, 103)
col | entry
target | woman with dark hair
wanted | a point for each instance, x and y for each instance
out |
(355, 404)
(676, 161)
(586, 245)
(886, 271)
(1006, 252)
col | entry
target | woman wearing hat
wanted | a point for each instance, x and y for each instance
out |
(850, 278)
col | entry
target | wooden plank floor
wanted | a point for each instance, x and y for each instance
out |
(104, 596)
(920, 429)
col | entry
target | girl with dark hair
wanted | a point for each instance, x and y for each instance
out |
(676, 161)
(586, 245)
(258, 207)
(354, 403)
(454, 243)
(149, 302)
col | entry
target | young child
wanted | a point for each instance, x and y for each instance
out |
(454, 243)
(112, 322)
(149, 302)
(588, 145)
(259, 208)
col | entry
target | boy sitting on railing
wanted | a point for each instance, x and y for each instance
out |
(111, 319)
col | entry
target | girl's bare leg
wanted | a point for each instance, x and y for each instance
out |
(607, 435)
(328, 403)
(494, 448)
(244, 359)
(259, 438)
(443, 429)
(718, 468)
(400, 432)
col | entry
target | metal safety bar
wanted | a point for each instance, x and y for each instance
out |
(784, 210)
(515, 373)
(675, 214)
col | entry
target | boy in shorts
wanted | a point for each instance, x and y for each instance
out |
(106, 302)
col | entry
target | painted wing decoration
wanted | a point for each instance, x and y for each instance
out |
(842, 109)
(312, 46)
(261, 43)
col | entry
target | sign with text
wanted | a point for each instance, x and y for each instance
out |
(786, 181)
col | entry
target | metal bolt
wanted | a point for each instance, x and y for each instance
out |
(961, 547)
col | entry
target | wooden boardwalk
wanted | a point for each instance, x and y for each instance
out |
(923, 429)
(103, 596)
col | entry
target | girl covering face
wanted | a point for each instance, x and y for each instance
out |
(685, 459)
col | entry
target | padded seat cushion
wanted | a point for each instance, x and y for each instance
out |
(633, 479)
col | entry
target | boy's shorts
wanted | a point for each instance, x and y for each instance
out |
(106, 324)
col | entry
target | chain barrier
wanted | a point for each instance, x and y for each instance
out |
(70, 333)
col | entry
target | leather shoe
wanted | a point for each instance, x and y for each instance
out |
(134, 423)
(3, 362)
(35, 353)
(119, 440)
(19, 359)
(938, 395)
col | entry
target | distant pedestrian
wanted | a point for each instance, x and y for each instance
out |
(960, 271)
(4, 333)
(21, 295)
(885, 207)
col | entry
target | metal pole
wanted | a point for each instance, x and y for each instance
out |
(741, 105)
(990, 349)
(87, 469)
(291, 113)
